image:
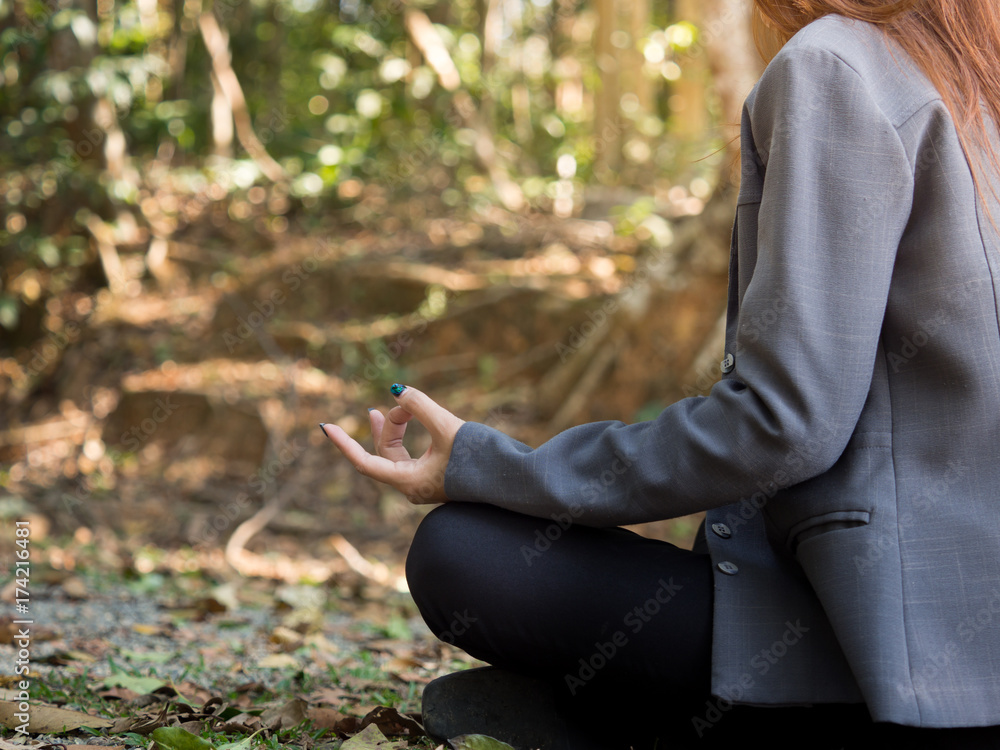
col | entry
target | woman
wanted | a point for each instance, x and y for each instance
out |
(850, 559)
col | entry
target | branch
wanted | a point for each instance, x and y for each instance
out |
(431, 46)
(217, 45)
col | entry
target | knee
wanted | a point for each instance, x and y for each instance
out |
(437, 546)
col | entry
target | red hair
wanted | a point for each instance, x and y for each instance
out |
(956, 43)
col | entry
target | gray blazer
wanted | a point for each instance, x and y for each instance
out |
(848, 458)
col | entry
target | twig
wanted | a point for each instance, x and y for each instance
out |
(377, 572)
(218, 48)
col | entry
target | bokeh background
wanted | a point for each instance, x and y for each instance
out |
(224, 222)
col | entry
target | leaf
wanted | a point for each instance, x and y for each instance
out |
(477, 742)
(285, 716)
(243, 744)
(370, 738)
(175, 738)
(391, 722)
(49, 719)
(327, 718)
(142, 724)
(278, 661)
(141, 685)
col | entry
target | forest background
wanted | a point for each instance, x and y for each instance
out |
(224, 222)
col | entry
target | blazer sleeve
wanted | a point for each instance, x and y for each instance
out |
(815, 260)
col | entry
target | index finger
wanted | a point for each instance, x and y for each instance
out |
(376, 467)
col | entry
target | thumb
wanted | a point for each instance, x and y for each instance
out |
(440, 422)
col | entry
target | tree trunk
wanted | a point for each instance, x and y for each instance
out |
(607, 117)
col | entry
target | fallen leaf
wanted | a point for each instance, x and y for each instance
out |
(370, 738)
(326, 718)
(9, 631)
(243, 744)
(283, 636)
(225, 594)
(63, 658)
(75, 588)
(5, 745)
(278, 661)
(141, 685)
(240, 723)
(175, 738)
(195, 726)
(391, 722)
(49, 719)
(477, 742)
(141, 724)
(285, 716)
(144, 629)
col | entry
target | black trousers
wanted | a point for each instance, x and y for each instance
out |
(619, 625)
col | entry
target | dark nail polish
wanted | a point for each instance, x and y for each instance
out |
(322, 426)
(397, 389)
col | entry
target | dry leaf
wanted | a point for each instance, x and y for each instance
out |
(286, 716)
(327, 718)
(75, 588)
(5, 745)
(370, 738)
(278, 661)
(144, 629)
(392, 723)
(287, 637)
(240, 723)
(142, 724)
(48, 719)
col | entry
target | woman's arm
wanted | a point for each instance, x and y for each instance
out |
(815, 259)
(828, 192)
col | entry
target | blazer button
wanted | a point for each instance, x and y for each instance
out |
(728, 568)
(722, 530)
(728, 364)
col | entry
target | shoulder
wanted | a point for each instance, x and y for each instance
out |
(834, 51)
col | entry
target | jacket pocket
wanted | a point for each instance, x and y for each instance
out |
(833, 521)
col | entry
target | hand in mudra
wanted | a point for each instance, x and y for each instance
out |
(420, 479)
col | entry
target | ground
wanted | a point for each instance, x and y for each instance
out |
(199, 554)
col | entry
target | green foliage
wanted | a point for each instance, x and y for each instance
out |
(339, 95)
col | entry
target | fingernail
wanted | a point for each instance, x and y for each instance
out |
(322, 426)
(371, 409)
(397, 389)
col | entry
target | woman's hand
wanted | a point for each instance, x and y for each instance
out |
(420, 479)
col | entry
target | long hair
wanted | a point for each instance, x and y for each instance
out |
(956, 43)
